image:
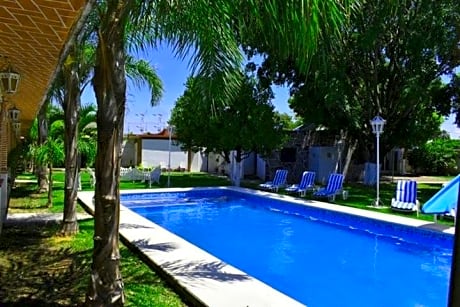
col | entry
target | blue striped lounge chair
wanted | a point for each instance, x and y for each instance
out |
(306, 183)
(334, 186)
(279, 180)
(406, 196)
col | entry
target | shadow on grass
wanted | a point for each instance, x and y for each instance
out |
(25, 190)
(35, 273)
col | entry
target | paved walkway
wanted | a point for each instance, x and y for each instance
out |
(39, 218)
(419, 179)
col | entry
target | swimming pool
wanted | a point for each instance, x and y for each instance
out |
(319, 257)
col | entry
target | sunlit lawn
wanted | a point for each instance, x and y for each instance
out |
(361, 196)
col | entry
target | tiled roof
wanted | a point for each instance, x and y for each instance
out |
(32, 36)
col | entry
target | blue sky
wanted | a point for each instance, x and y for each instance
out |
(173, 72)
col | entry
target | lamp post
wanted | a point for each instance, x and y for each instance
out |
(170, 129)
(377, 124)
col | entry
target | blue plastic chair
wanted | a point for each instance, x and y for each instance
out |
(334, 185)
(279, 180)
(406, 196)
(306, 183)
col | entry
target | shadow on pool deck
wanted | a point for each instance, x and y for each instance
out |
(145, 245)
(198, 269)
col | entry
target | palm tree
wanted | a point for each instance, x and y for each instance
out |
(49, 153)
(41, 136)
(67, 89)
(87, 134)
(213, 31)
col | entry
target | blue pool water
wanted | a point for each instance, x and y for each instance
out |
(318, 257)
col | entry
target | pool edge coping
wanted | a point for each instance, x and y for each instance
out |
(182, 265)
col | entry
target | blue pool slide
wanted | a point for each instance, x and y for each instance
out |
(444, 200)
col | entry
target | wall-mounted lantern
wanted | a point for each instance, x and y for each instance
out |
(9, 79)
(14, 114)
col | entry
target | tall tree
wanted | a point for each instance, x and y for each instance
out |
(389, 61)
(42, 135)
(247, 123)
(50, 153)
(211, 30)
(71, 82)
(87, 134)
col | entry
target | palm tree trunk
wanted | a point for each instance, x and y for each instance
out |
(72, 116)
(41, 170)
(50, 186)
(106, 285)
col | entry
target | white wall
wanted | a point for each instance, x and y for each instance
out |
(261, 167)
(322, 160)
(128, 155)
(249, 167)
(156, 152)
(199, 162)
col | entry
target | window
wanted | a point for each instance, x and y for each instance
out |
(288, 154)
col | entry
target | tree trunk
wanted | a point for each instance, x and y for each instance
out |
(340, 147)
(50, 186)
(235, 174)
(106, 285)
(351, 150)
(42, 171)
(71, 108)
(189, 160)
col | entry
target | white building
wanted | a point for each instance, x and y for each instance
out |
(160, 149)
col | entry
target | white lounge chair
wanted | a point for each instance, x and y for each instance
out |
(155, 176)
(92, 177)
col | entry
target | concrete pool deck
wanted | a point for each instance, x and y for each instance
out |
(205, 280)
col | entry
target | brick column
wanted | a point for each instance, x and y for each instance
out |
(4, 138)
(4, 144)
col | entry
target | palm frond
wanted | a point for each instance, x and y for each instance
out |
(56, 129)
(213, 32)
(140, 72)
(88, 113)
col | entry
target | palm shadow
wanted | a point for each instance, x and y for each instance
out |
(33, 274)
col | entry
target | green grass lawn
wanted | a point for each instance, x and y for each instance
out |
(361, 196)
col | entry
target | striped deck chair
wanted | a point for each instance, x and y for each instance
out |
(306, 183)
(279, 180)
(406, 196)
(334, 186)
